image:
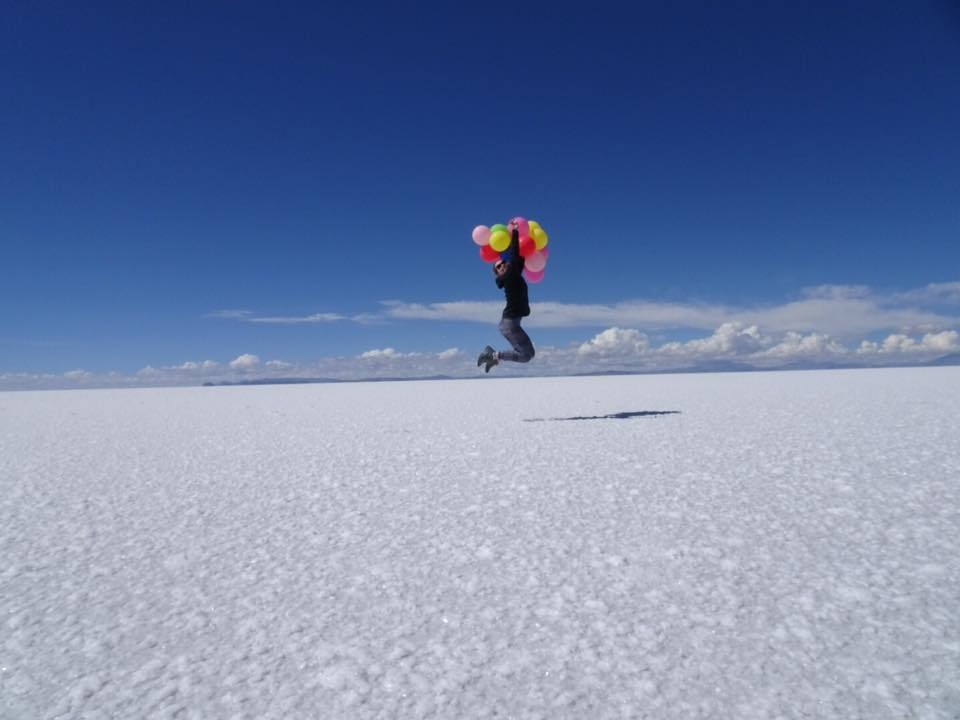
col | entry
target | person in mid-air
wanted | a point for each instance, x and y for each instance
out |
(509, 277)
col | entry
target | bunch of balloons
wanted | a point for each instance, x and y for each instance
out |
(495, 240)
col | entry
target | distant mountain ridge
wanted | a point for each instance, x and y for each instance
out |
(714, 366)
(945, 360)
(317, 381)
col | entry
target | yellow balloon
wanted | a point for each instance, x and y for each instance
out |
(500, 240)
(534, 225)
(540, 237)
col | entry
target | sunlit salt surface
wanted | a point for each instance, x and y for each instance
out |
(779, 545)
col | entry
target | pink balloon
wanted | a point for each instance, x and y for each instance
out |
(522, 225)
(536, 262)
(481, 235)
(533, 276)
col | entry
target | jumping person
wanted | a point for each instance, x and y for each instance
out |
(509, 277)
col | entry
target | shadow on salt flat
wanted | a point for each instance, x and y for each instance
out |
(611, 416)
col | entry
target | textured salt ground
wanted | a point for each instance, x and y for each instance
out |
(778, 545)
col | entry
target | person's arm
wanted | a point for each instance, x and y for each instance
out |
(516, 259)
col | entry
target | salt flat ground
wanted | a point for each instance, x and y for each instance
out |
(784, 545)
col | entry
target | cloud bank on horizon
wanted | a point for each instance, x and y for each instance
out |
(827, 325)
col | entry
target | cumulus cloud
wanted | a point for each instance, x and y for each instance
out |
(205, 365)
(746, 344)
(814, 346)
(245, 362)
(940, 343)
(388, 353)
(730, 339)
(615, 348)
(615, 342)
(826, 324)
(390, 363)
(946, 341)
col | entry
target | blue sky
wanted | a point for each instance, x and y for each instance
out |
(197, 191)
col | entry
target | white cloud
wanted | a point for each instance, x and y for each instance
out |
(900, 344)
(814, 346)
(390, 363)
(649, 315)
(933, 344)
(615, 342)
(836, 292)
(826, 323)
(552, 314)
(388, 353)
(842, 317)
(730, 339)
(615, 348)
(946, 341)
(251, 317)
(463, 311)
(314, 319)
(205, 365)
(229, 314)
(935, 293)
(245, 362)
(840, 311)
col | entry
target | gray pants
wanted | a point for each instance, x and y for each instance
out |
(522, 347)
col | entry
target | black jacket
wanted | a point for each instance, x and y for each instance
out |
(512, 282)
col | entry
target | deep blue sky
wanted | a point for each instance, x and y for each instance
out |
(163, 163)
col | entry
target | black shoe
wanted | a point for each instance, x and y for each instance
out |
(488, 358)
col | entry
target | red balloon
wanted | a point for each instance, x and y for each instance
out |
(528, 246)
(488, 254)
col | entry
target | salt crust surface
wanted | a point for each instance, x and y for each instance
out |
(786, 546)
